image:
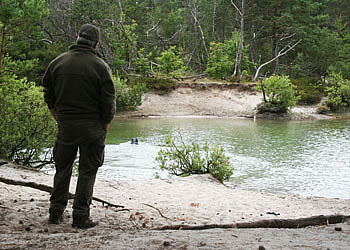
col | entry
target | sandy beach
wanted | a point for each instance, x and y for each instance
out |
(150, 204)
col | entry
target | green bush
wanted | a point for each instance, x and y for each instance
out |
(309, 90)
(27, 129)
(156, 83)
(142, 64)
(222, 58)
(220, 63)
(171, 63)
(338, 92)
(128, 98)
(183, 160)
(279, 92)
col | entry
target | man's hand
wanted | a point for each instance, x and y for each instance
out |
(53, 113)
(107, 126)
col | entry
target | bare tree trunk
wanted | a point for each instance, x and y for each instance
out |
(194, 13)
(282, 52)
(241, 43)
(213, 21)
(147, 36)
(2, 48)
(236, 60)
(121, 11)
(239, 52)
(252, 47)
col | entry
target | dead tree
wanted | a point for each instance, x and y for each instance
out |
(195, 12)
(280, 53)
(239, 52)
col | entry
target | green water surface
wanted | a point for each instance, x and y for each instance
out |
(297, 157)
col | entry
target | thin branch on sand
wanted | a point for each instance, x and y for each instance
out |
(158, 211)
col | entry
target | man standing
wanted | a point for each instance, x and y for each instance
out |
(80, 94)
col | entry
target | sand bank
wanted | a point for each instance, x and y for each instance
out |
(195, 200)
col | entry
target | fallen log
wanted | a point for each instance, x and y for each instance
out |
(49, 189)
(274, 223)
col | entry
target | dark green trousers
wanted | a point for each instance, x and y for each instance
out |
(89, 138)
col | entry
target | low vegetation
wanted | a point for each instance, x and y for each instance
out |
(279, 94)
(128, 98)
(182, 159)
(338, 92)
(27, 129)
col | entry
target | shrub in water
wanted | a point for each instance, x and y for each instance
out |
(182, 159)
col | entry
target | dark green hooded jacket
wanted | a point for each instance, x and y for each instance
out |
(79, 86)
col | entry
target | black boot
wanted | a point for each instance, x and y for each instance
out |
(55, 219)
(84, 223)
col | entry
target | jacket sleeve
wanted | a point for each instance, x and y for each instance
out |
(49, 94)
(108, 99)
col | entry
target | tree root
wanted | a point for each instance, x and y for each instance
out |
(274, 223)
(49, 189)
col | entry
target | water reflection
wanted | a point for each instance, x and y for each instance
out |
(307, 158)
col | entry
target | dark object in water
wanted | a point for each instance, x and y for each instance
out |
(134, 141)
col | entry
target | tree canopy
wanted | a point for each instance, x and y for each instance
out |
(317, 31)
(298, 38)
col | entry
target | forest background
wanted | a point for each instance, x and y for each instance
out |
(235, 40)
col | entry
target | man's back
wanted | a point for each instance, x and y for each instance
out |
(77, 80)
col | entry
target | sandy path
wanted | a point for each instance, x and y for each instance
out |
(193, 200)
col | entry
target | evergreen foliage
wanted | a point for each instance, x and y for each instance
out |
(20, 29)
(338, 92)
(170, 63)
(142, 64)
(278, 92)
(135, 36)
(27, 129)
(221, 62)
(128, 98)
(182, 159)
(309, 89)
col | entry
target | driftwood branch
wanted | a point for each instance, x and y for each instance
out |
(275, 223)
(158, 211)
(49, 189)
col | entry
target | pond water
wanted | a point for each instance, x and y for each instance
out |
(309, 158)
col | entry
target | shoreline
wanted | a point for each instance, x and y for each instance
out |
(187, 101)
(194, 200)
